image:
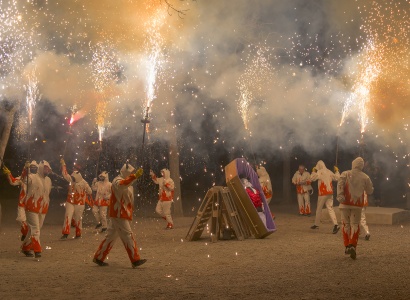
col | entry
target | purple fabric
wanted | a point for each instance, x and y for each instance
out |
(246, 171)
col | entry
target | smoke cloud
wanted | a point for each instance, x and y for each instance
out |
(314, 49)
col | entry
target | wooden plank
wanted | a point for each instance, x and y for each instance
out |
(202, 218)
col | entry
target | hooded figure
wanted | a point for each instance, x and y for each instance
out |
(121, 210)
(21, 207)
(166, 196)
(44, 169)
(324, 178)
(78, 191)
(102, 187)
(35, 217)
(352, 189)
(265, 182)
(301, 179)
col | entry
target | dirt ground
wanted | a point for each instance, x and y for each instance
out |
(296, 262)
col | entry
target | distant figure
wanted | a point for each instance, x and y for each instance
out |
(301, 179)
(352, 189)
(166, 196)
(255, 197)
(102, 186)
(121, 210)
(78, 191)
(325, 186)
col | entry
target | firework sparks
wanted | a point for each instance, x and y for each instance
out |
(154, 50)
(101, 113)
(381, 85)
(368, 71)
(33, 94)
(16, 44)
(105, 69)
(251, 83)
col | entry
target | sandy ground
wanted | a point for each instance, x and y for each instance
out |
(293, 263)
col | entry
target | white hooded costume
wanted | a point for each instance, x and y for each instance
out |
(78, 191)
(20, 181)
(302, 182)
(166, 196)
(352, 189)
(324, 177)
(121, 211)
(102, 198)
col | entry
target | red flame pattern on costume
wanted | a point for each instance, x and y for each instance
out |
(34, 205)
(349, 200)
(348, 237)
(325, 189)
(132, 250)
(102, 255)
(24, 228)
(66, 228)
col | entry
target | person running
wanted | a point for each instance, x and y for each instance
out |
(325, 178)
(353, 187)
(165, 196)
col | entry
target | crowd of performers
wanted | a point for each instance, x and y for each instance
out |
(112, 206)
(353, 189)
(116, 200)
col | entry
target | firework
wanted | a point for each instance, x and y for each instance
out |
(16, 44)
(253, 81)
(380, 88)
(105, 69)
(154, 44)
(33, 94)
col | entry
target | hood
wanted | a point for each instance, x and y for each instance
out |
(261, 171)
(41, 166)
(77, 176)
(104, 174)
(320, 165)
(358, 164)
(126, 170)
(167, 174)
